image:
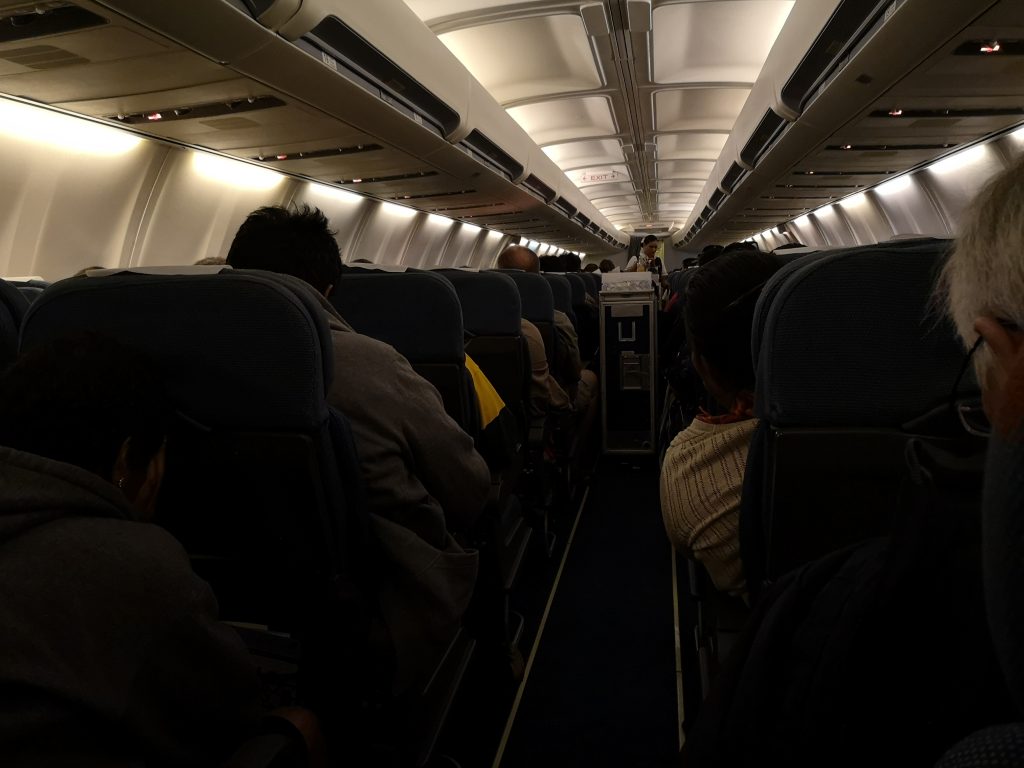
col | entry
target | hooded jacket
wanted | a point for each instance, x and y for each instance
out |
(111, 653)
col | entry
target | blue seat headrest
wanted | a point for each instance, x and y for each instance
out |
(239, 349)
(854, 338)
(418, 313)
(535, 293)
(490, 302)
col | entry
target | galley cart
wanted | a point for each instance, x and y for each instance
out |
(629, 365)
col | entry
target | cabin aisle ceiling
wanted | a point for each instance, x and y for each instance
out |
(633, 100)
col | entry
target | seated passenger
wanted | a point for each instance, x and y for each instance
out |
(546, 395)
(422, 475)
(606, 265)
(702, 476)
(881, 653)
(111, 653)
(580, 384)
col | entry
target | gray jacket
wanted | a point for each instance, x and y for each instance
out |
(423, 479)
(111, 653)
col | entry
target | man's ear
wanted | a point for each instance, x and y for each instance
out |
(145, 499)
(119, 474)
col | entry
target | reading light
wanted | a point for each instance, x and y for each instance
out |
(895, 112)
(847, 146)
(154, 116)
(282, 157)
(234, 173)
(357, 181)
(74, 134)
(992, 47)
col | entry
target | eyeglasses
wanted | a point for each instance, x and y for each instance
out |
(970, 412)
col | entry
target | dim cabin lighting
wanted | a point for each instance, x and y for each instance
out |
(895, 113)
(399, 211)
(802, 220)
(992, 47)
(444, 221)
(154, 117)
(234, 173)
(73, 134)
(471, 227)
(959, 161)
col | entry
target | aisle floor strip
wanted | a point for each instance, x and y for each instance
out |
(680, 707)
(540, 634)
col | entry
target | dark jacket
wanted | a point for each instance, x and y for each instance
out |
(111, 652)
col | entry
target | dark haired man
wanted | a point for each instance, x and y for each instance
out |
(423, 476)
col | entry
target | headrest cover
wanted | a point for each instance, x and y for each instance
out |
(238, 349)
(490, 302)
(535, 293)
(854, 338)
(418, 313)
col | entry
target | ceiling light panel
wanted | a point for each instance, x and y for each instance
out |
(681, 186)
(611, 202)
(585, 177)
(581, 154)
(551, 122)
(595, 191)
(698, 109)
(428, 10)
(691, 44)
(685, 169)
(552, 55)
(691, 146)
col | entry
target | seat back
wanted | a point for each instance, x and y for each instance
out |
(577, 285)
(538, 304)
(13, 306)
(592, 282)
(417, 313)
(853, 359)
(561, 293)
(262, 486)
(492, 312)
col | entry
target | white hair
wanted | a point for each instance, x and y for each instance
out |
(985, 272)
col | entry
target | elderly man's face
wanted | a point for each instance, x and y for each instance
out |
(1002, 383)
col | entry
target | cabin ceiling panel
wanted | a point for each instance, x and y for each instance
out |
(698, 109)
(595, 191)
(685, 169)
(715, 42)
(429, 10)
(554, 121)
(681, 186)
(609, 202)
(528, 58)
(583, 154)
(691, 146)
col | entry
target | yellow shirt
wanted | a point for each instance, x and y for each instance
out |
(487, 396)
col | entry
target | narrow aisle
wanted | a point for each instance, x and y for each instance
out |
(601, 691)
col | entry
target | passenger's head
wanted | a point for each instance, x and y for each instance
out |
(649, 246)
(708, 254)
(983, 280)
(519, 257)
(590, 268)
(295, 242)
(572, 262)
(719, 310)
(787, 246)
(607, 265)
(92, 402)
(689, 261)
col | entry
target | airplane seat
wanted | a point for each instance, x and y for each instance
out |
(492, 312)
(13, 306)
(538, 303)
(562, 294)
(853, 360)
(578, 289)
(586, 316)
(30, 289)
(592, 283)
(380, 306)
(262, 483)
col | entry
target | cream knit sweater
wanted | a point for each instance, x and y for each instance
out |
(701, 483)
